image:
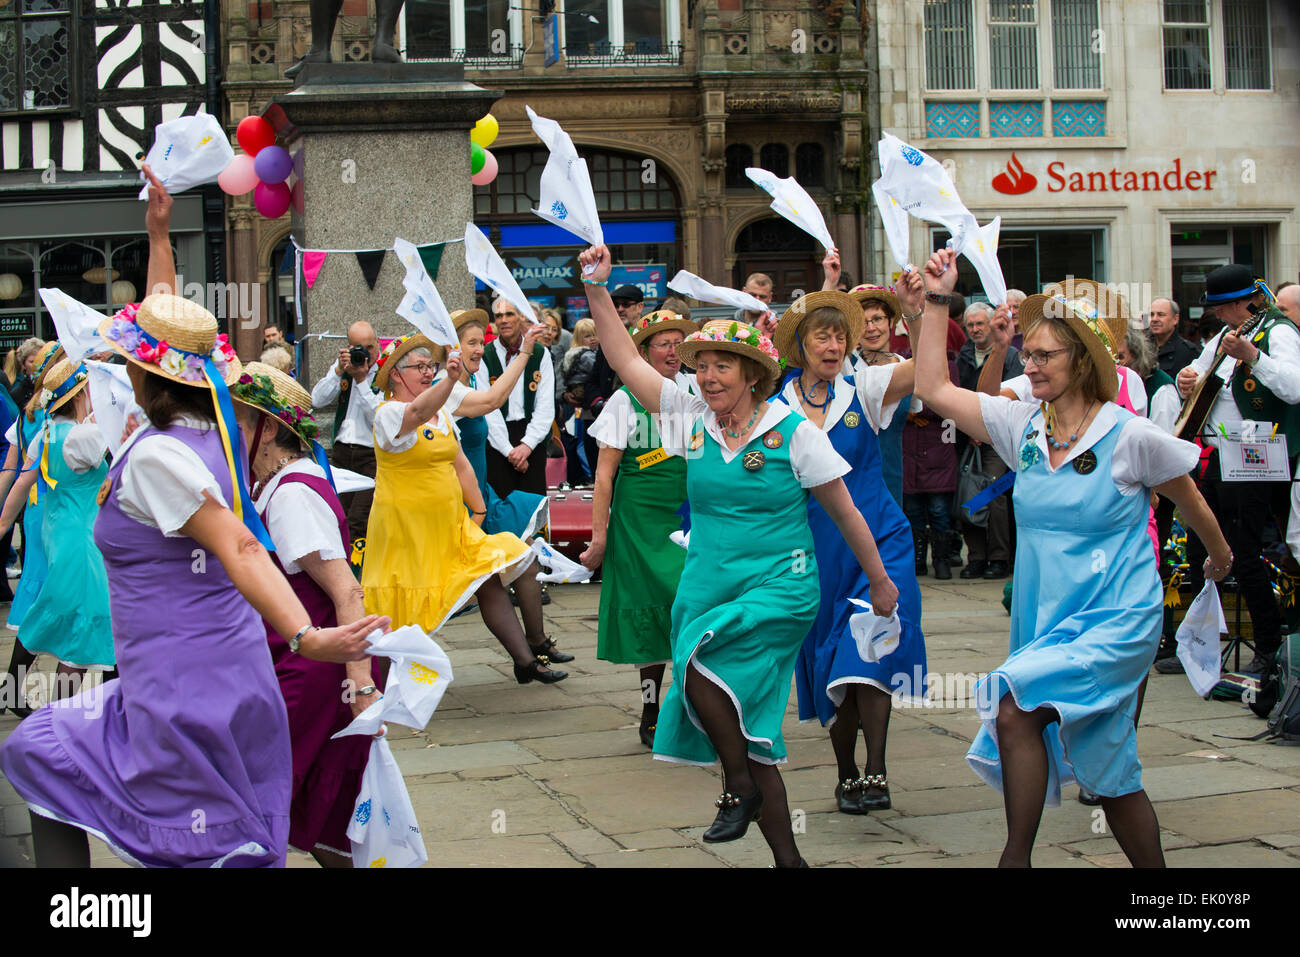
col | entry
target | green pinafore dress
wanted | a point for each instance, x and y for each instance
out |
(749, 593)
(642, 565)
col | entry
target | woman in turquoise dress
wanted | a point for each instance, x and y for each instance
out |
(1086, 610)
(70, 617)
(472, 399)
(835, 684)
(749, 590)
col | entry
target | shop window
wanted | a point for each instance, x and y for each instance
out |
(478, 32)
(37, 67)
(621, 181)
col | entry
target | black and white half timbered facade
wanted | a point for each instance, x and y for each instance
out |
(83, 83)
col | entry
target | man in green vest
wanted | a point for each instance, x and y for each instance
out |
(347, 386)
(1261, 385)
(518, 433)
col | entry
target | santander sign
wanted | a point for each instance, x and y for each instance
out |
(1015, 180)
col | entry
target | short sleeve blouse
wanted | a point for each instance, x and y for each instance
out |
(301, 523)
(164, 482)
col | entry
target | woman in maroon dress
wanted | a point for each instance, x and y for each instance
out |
(301, 511)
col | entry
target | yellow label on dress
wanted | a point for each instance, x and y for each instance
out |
(651, 458)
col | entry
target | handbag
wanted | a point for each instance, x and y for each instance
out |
(971, 480)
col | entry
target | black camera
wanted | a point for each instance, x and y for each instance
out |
(358, 356)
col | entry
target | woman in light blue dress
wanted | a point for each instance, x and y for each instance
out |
(835, 684)
(1086, 612)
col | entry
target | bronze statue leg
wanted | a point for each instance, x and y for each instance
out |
(383, 50)
(324, 14)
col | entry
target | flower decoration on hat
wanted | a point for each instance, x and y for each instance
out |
(1086, 312)
(645, 322)
(260, 391)
(742, 334)
(126, 332)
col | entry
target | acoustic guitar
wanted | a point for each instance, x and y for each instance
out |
(1196, 408)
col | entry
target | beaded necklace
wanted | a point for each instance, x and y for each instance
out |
(748, 425)
(1053, 426)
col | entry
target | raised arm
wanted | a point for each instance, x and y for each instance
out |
(990, 381)
(426, 405)
(161, 277)
(831, 270)
(622, 355)
(932, 382)
(911, 300)
(478, 402)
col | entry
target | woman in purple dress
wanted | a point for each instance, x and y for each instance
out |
(298, 504)
(184, 760)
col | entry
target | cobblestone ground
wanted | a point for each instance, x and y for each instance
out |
(509, 775)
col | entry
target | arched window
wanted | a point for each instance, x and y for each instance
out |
(775, 157)
(622, 182)
(810, 164)
(739, 158)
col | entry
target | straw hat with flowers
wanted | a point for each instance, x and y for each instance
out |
(392, 355)
(173, 338)
(786, 337)
(728, 335)
(1098, 316)
(269, 390)
(661, 320)
(63, 380)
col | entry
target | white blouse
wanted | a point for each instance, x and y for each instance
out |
(869, 383)
(616, 424)
(1145, 455)
(164, 481)
(388, 423)
(83, 447)
(812, 457)
(302, 522)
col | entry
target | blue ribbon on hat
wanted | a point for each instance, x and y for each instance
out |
(321, 459)
(67, 385)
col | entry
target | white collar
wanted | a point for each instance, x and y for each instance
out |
(776, 411)
(1102, 423)
(835, 411)
(305, 465)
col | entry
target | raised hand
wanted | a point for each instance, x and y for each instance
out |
(911, 291)
(941, 271)
(831, 268)
(600, 258)
(158, 216)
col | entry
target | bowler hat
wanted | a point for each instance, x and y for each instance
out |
(1230, 283)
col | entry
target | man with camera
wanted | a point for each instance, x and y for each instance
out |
(349, 384)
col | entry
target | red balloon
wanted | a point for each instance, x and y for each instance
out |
(271, 199)
(254, 133)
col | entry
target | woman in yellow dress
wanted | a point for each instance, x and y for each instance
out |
(425, 556)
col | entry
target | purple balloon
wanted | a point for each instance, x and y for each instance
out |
(271, 199)
(272, 164)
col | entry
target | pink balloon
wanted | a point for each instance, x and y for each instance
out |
(489, 171)
(296, 197)
(239, 176)
(271, 199)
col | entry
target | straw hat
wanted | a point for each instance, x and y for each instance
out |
(463, 317)
(393, 353)
(866, 292)
(183, 335)
(787, 330)
(267, 389)
(62, 382)
(50, 353)
(1096, 314)
(661, 320)
(728, 335)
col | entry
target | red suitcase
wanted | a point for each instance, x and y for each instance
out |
(570, 528)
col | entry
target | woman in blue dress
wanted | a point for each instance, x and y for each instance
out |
(749, 589)
(472, 399)
(835, 684)
(1086, 610)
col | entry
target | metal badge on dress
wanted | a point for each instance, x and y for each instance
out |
(1086, 463)
(772, 439)
(852, 420)
(753, 461)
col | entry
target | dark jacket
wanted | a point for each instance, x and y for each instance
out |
(598, 386)
(968, 374)
(1175, 355)
(929, 463)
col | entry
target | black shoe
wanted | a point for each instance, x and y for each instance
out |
(920, 545)
(975, 569)
(996, 570)
(1088, 798)
(546, 600)
(954, 556)
(552, 653)
(939, 552)
(875, 802)
(734, 815)
(648, 735)
(1168, 648)
(848, 796)
(1261, 665)
(1170, 666)
(533, 672)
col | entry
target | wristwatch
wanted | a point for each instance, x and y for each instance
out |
(938, 298)
(296, 640)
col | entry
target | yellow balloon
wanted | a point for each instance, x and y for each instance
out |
(485, 131)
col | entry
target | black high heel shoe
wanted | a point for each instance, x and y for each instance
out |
(533, 672)
(734, 815)
(878, 802)
(552, 653)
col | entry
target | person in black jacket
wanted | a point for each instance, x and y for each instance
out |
(23, 389)
(989, 548)
(1173, 352)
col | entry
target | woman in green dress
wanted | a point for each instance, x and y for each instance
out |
(749, 589)
(642, 564)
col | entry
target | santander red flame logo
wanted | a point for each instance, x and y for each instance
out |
(1015, 180)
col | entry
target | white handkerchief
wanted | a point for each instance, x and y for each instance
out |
(565, 196)
(345, 480)
(75, 324)
(876, 636)
(680, 538)
(417, 679)
(692, 285)
(560, 569)
(188, 151)
(384, 831)
(112, 397)
(790, 200)
(1198, 639)
(483, 262)
(422, 305)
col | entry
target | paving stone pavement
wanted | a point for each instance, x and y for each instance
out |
(555, 776)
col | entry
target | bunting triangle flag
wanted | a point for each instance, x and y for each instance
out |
(312, 260)
(371, 262)
(431, 257)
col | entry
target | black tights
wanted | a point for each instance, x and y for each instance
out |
(20, 661)
(652, 682)
(868, 707)
(56, 844)
(742, 774)
(1023, 753)
(499, 614)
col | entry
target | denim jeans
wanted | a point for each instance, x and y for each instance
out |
(928, 505)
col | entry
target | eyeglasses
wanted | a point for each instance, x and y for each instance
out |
(666, 346)
(1042, 357)
(420, 367)
(623, 303)
(876, 320)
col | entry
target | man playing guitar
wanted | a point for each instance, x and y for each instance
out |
(1260, 368)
